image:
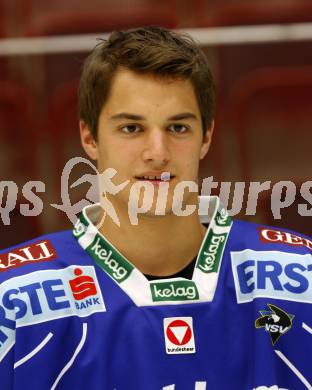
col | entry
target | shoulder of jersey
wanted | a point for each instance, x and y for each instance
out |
(51, 251)
(247, 235)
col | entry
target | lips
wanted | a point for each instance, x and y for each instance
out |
(159, 180)
(156, 182)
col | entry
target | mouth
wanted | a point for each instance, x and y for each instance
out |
(155, 180)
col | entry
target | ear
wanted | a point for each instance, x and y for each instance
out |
(87, 140)
(206, 141)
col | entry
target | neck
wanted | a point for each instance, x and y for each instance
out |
(157, 245)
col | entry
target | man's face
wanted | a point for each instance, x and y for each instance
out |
(150, 125)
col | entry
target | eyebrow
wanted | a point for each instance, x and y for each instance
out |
(178, 117)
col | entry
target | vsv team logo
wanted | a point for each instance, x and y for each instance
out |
(47, 295)
(275, 321)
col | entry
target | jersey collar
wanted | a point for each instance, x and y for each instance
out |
(143, 292)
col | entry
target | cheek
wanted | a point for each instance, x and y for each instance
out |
(120, 157)
(188, 154)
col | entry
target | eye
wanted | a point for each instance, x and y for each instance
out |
(178, 128)
(130, 129)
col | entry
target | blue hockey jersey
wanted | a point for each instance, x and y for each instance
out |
(76, 314)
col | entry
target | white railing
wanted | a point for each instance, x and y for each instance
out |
(205, 36)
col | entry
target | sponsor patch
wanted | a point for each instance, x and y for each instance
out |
(223, 218)
(109, 260)
(44, 296)
(177, 290)
(34, 253)
(80, 227)
(179, 336)
(269, 236)
(272, 274)
(274, 321)
(210, 259)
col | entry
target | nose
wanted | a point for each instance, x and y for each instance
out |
(156, 148)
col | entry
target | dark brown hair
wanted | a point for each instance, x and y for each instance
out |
(151, 50)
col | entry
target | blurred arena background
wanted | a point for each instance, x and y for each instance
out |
(261, 56)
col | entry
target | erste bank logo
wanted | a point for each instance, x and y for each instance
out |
(179, 335)
(47, 295)
(32, 253)
(272, 274)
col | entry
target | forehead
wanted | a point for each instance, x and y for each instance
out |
(132, 91)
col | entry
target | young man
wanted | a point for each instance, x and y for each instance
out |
(179, 300)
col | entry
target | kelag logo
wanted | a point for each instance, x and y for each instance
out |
(272, 274)
(176, 290)
(210, 261)
(47, 295)
(223, 218)
(111, 261)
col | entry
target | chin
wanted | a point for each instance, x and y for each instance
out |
(151, 214)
